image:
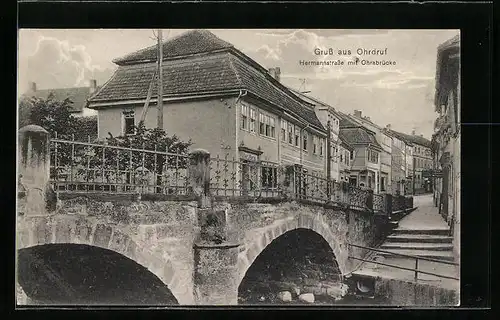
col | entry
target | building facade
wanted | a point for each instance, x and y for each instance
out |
(365, 158)
(341, 153)
(446, 138)
(398, 163)
(385, 141)
(216, 97)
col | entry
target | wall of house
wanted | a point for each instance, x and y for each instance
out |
(86, 112)
(210, 124)
(359, 162)
(253, 140)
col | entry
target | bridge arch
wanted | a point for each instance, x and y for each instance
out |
(315, 223)
(64, 229)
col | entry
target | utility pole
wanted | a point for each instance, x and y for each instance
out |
(328, 157)
(160, 81)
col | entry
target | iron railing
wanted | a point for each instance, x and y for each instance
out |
(415, 270)
(100, 167)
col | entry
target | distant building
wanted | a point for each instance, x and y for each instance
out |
(418, 160)
(340, 150)
(446, 138)
(385, 140)
(399, 168)
(217, 97)
(366, 156)
(78, 95)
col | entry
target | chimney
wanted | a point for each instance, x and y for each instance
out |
(413, 132)
(32, 86)
(421, 135)
(368, 118)
(357, 113)
(388, 126)
(275, 73)
(92, 85)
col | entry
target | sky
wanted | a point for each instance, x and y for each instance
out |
(399, 94)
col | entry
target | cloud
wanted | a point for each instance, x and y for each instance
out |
(59, 64)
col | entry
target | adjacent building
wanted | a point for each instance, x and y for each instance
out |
(341, 153)
(217, 97)
(446, 138)
(399, 170)
(385, 141)
(365, 158)
(78, 95)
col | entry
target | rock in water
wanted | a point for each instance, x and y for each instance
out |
(307, 297)
(285, 296)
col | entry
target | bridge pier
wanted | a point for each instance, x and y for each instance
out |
(215, 254)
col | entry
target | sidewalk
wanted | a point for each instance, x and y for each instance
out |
(422, 232)
(425, 217)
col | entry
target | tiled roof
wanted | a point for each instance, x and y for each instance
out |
(192, 42)
(217, 72)
(358, 136)
(78, 96)
(411, 139)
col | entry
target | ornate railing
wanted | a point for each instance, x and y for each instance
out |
(99, 167)
(379, 203)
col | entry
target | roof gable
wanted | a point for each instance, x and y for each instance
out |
(358, 136)
(189, 43)
(77, 95)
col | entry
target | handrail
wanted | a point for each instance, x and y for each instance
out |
(416, 270)
(403, 268)
(405, 255)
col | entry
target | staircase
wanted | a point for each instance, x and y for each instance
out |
(429, 243)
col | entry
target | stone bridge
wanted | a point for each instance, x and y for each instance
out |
(197, 249)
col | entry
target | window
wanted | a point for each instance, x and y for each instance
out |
(297, 137)
(341, 158)
(273, 127)
(262, 124)
(315, 145)
(128, 122)
(321, 143)
(346, 157)
(283, 130)
(304, 141)
(244, 117)
(290, 133)
(267, 126)
(372, 156)
(352, 155)
(269, 177)
(253, 119)
(382, 183)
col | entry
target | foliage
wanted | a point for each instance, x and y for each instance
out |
(51, 114)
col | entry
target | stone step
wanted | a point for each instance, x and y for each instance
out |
(419, 238)
(442, 232)
(417, 246)
(440, 255)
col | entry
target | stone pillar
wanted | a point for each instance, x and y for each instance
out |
(215, 246)
(199, 176)
(215, 261)
(34, 167)
(388, 205)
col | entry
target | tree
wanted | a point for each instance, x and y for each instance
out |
(51, 114)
